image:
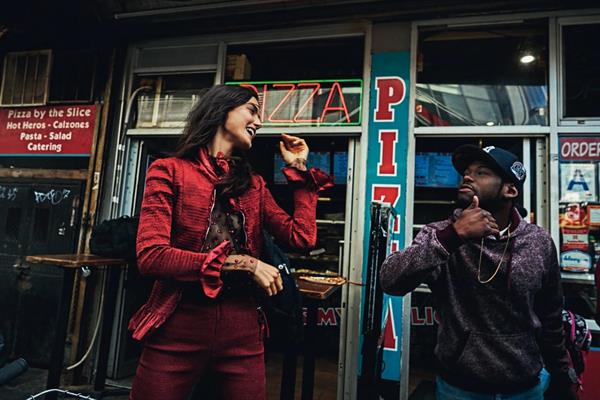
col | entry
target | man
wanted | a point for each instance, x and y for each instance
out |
(496, 283)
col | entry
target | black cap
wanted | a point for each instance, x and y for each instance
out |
(505, 163)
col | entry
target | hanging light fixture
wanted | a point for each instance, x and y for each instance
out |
(527, 58)
(527, 51)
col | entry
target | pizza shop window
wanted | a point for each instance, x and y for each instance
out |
(581, 80)
(171, 98)
(579, 203)
(25, 78)
(313, 83)
(73, 76)
(579, 220)
(484, 76)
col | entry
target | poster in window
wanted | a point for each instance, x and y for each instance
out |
(594, 214)
(573, 215)
(574, 239)
(578, 182)
(575, 261)
(435, 170)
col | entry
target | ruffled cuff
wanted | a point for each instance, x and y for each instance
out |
(313, 178)
(210, 270)
(145, 320)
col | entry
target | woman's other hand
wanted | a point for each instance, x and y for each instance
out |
(265, 275)
(268, 278)
(293, 149)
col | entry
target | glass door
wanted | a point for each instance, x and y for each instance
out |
(435, 189)
(329, 154)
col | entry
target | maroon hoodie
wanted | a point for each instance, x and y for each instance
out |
(494, 337)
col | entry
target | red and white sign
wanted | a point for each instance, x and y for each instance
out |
(575, 239)
(390, 338)
(329, 316)
(47, 130)
(391, 91)
(580, 149)
(387, 158)
(327, 102)
(428, 316)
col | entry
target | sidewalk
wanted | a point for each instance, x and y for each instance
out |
(33, 381)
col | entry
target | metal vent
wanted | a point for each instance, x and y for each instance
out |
(25, 78)
(177, 59)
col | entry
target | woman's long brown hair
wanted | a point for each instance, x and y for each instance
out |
(202, 124)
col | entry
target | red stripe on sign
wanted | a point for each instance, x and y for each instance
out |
(580, 149)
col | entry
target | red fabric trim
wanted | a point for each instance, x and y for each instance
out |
(210, 271)
(315, 178)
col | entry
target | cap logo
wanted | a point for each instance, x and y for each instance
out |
(489, 148)
(518, 170)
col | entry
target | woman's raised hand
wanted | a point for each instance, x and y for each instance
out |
(293, 148)
(265, 275)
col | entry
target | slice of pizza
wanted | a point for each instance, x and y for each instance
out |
(328, 280)
(306, 271)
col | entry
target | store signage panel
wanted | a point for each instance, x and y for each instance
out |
(575, 239)
(575, 261)
(47, 130)
(332, 102)
(578, 182)
(387, 156)
(580, 149)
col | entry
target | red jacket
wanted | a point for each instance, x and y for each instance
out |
(175, 217)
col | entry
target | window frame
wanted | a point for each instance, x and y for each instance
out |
(503, 130)
(47, 73)
(562, 119)
(93, 81)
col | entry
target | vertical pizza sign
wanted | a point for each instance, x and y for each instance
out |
(386, 177)
(47, 131)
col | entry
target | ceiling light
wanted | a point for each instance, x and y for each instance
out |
(489, 123)
(527, 58)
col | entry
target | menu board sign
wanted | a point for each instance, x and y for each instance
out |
(47, 130)
(435, 170)
(331, 102)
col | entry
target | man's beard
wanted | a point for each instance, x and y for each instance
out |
(491, 204)
(463, 201)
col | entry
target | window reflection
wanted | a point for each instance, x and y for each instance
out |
(169, 104)
(582, 84)
(452, 105)
(490, 75)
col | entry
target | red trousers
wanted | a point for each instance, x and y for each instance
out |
(218, 338)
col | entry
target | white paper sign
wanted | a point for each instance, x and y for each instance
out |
(578, 182)
(575, 260)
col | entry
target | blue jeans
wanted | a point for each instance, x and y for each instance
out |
(445, 391)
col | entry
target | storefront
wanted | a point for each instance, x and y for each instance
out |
(525, 83)
(382, 102)
(401, 106)
(315, 89)
(50, 126)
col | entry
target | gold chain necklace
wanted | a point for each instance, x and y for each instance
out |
(499, 264)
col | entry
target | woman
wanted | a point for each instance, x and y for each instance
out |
(200, 235)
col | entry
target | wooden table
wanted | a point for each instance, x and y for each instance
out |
(70, 263)
(312, 294)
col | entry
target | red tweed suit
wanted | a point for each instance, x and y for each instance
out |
(221, 335)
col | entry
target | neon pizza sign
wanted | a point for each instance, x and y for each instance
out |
(313, 103)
